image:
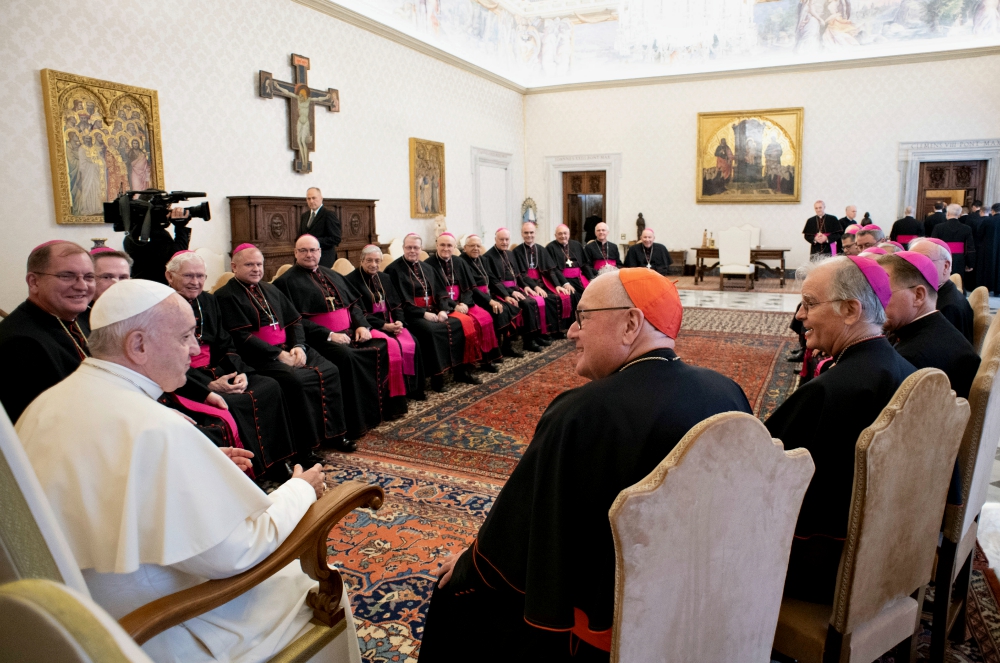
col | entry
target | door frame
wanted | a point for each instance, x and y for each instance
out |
(912, 154)
(556, 166)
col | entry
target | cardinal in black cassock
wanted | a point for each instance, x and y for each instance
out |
(383, 309)
(568, 256)
(502, 266)
(538, 582)
(539, 271)
(264, 324)
(655, 256)
(330, 306)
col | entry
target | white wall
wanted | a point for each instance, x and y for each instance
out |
(854, 121)
(217, 135)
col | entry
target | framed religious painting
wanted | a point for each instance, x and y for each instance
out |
(750, 156)
(104, 139)
(427, 185)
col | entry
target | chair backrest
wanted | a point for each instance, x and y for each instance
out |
(754, 234)
(902, 467)
(281, 270)
(979, 444)
(46, 621)
(343, 266)
(386, 261)
(223, 280)
(957, 280)
(702, 545)
(31, 543)
(979, 300)
(216, 264)
(396, 248)
(423, 255)
(991, 330)
(734, 247)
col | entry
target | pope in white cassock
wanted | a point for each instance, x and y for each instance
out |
(149, 505)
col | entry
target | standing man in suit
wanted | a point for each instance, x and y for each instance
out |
(322, 224)
(933, 219)
(850, 216)
(823, 231)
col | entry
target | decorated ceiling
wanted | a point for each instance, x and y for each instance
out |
(537, 43)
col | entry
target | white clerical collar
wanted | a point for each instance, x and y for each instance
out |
(137, 380)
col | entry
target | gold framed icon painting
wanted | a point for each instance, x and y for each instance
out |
(427, 184)
(750, 156)
(104, 138)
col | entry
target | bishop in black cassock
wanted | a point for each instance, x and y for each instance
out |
(539, 271)
(932, 220)
(264, 324)
(330, 306)
(828, 225)
(962, 243)
(569, 257)
(648, 254)
(502, 266)
(988, 256)
(599, 253)
(955, 308)
(907, 227)
(506, 316)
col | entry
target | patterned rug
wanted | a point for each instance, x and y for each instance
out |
(443, 464)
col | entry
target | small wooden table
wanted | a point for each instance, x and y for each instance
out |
(703, 253)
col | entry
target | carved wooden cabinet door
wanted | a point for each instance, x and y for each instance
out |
(949, 182)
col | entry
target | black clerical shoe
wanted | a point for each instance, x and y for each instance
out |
(310, 459)
(796, 356)
(507, 349)
(419, 396)
(543, 341)
(343, 444)
(488, 367)
(466, 377)
(530, 345)
(437, 383)
(557, 336)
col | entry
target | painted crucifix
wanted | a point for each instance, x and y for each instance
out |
(302, 102)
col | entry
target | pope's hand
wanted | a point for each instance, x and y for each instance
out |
(445, 570)
(298, 356)
(361, 334)
(313, 476)
(239, 456)
(216, 401)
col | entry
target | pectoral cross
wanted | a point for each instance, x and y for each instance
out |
(302, 102)
(569, 263)
(332, 303)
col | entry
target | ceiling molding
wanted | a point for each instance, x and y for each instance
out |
(359, 20)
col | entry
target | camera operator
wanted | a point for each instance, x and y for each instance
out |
(151, 258)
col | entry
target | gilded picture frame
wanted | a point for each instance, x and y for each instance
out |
(427, 179)
(749, 156)
(104, 137)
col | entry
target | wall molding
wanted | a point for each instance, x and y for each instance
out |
(555, 166)
(483, 158)
(911, 154)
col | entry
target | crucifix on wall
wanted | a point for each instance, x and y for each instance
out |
(302, 102)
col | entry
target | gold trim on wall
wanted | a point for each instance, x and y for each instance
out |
(784, 128)
(109, 98)
(426, 160)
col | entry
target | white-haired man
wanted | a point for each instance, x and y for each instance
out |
(254, 401)
(149, 505)
(951, 302)
(506, 313)
(850, 216)
(823, 231)
(540, 272)
(600, 252)
(842, 311)
(961, 241)
(538, 314)
(569, 257)
(649, 254)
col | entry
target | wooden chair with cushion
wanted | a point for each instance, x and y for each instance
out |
(223, 280)
(902, 469)
(992, 329)
(734, 256)
(343, 266)
(32, 546)
(979, 300)
(423, 255)
(975, 465)
(702, 544)
(957, 280)
(281, 270)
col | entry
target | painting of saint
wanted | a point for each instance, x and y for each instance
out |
(751, 156)
(427, 179)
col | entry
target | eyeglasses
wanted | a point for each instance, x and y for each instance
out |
(112, 277)
(308, 250)
(70, 277)
(807, 306)
(580, 312)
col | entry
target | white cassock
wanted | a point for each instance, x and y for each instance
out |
(150, 506)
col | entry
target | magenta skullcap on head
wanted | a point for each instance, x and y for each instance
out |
(446, 234)
(876, 250)
(101, 249)
(50, 243)
(896, 244)
(876, 277)
(923, 263)
(178, 253)
(410, 235)
(243, 247)
(871, 226)
(940, 242)
(852, 229)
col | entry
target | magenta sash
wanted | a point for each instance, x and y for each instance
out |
(452, 291)
(956, 247)
(336, 321)
(203, 358)
(833, 248)
(221, 414)
(405, 340)
(269, 334)
(906, 239)
(485, 289)
(601, 263)
(487, 335)
(567, 303)
(575, 273)
(397, 385)
(540, 301)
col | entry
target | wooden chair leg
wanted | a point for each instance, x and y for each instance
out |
(961, 593)
(722, 279)
(942, 599)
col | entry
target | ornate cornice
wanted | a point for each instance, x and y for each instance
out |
(905, 148)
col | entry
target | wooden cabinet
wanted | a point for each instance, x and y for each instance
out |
(272, 224)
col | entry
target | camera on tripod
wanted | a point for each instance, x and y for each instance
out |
(138, 213)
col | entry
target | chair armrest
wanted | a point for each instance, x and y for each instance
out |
(307, 542)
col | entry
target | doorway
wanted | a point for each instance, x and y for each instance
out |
(949, 182)
(584, 200)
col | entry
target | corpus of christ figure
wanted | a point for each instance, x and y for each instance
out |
(302, 102)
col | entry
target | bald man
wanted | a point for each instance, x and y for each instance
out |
(950, 301)
(601, 253)
(323, 224)
(961, 241)
(506, 315)
(648, 254)
(823, 231)
(541, 273)
(906, 229)
(335, 326)
(43, 340)
(514, 288)
(537, 584)
(568, 255)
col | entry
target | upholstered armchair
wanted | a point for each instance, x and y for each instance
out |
(702, 546)
(343, 266)
(902, 468)
(979, 300)
(734, 256)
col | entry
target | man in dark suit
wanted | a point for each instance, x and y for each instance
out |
(906, 226)
(823, 231)
(933, 219)
(850, 216)
(322, 224)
